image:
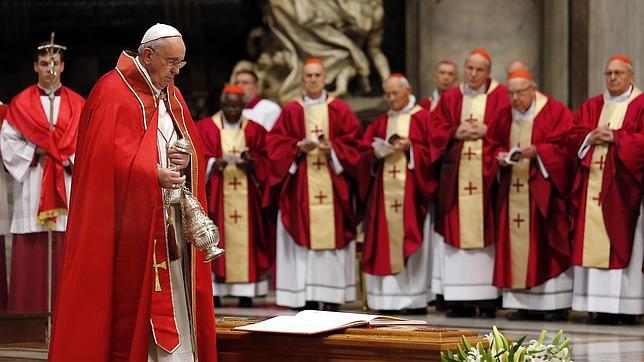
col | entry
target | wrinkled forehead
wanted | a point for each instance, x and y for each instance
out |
(518, 84)
(313, 68)
(617, 64)
(477, 60)
(173, 47)
(446, 67)
(393, 83)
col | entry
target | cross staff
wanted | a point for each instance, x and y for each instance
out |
(52, 49)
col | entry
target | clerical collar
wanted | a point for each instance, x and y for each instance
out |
(472, 92)
(156, 90)
(620, 98)
(518, 115)
(45, 92)
(407, 109)
(226, 124)
(308, 101)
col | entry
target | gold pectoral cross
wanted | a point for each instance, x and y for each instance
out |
(162, 265)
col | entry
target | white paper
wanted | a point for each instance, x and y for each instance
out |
(382, 147)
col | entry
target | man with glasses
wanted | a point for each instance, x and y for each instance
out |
(533, 231)
(39, 155)
(608, 241)
(465, 213)
(258, 109)
(132, 288)
(236, 175)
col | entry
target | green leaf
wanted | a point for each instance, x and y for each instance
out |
(555, 341)
(564, 344)
(466, 343)
(542, 336)
(462, 353)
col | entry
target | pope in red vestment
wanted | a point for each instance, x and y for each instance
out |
(543, 250)
(116, 277)
(259, 239)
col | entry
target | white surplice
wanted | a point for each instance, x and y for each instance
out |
(265, 113)
(618, 291)
(17, 154)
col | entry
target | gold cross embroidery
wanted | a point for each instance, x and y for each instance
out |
(162, 265)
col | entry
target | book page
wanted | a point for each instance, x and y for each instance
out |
(298, 325)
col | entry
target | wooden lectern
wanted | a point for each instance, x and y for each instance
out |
(353, 344)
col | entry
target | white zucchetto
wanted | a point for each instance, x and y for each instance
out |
(159, 31)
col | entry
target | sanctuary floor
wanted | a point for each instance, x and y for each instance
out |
(590, 343)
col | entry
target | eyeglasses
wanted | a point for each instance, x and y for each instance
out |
(519, 92)
(617, 73)
(171, 62)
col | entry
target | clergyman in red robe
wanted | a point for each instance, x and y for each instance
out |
(313, 156)
(396, 182)
(236, 176)
(607, 192)
(465, 215)
(132, 289)
(533, 204)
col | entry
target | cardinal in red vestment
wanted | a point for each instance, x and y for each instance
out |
(465, 213)
(235, 151)
(534, 230)
(607, 193)
(313, 155)
(397, 182)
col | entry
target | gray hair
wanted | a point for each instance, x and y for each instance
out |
(154, 44)
(404, 82)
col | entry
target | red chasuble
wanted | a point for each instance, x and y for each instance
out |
(419, 186)
(27, 116)
(260, 237)
(443, 146)
(104, 310)
(621, 188)
(547, 252)
(291, 190)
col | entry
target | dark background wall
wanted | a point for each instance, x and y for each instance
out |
(215, 32)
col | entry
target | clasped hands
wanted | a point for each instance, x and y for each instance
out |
(172, 178)
(601, 135)
(306, 146)
(470, 130)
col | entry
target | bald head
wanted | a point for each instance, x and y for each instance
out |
(516, 65)
(313, 79)
(397, 91)
(619, 76)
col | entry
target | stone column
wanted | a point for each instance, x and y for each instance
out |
(450, 29)
(614, 27)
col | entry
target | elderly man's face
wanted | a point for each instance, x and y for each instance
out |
(247, 82)
(162, 62)
(618, 77)
(314, 78)
(232, 106)
(477, 71)
(521, 92)
(445, 76)
(396, 94)
(42, 68)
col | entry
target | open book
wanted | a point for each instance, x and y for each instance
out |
(314, 321)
